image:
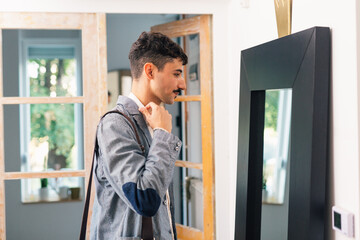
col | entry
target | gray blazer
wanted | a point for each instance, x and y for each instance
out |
(129, 184)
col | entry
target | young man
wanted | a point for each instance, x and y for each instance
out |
(131, 184)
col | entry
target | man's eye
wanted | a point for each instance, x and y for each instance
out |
(177, 74)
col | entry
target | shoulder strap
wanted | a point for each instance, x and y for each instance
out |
(132, 124)
(147, 230)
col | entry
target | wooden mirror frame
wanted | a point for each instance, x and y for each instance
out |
(300, 61)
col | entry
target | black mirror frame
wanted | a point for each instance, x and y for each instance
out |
(300, 61)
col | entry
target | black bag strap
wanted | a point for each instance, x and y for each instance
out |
(147, 229)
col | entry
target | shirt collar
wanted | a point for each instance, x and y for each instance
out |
(136, 100)
(139, 104)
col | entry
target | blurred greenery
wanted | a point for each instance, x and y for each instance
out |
(263, 182)
(54, 122)
(271, 109)
(271, 115)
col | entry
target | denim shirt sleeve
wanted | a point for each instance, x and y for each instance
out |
(140, 181)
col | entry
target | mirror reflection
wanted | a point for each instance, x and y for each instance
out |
(275, 193)
(276, 144)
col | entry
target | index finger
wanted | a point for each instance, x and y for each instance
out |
(152, 105)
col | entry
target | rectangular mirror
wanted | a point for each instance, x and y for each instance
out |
(300, 62)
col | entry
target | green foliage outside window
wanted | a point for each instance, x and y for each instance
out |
(271, 109)
(270, 128)
(53, 122)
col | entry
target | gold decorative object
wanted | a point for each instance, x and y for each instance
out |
(283, 9)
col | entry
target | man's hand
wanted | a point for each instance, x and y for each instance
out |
(157, 116)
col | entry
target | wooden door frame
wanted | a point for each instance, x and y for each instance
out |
(201, 25)
(94, 69)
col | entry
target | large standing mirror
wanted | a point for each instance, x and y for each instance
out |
(282, 147)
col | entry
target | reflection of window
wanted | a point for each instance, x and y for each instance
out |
(50, 133)
(276, 143)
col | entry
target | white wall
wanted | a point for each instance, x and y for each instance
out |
(344, 121)
(358, 97)
(251, 29)
(235, 29)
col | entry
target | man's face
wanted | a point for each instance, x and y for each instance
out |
(168, 82)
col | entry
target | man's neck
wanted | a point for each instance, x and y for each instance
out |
(143, 94)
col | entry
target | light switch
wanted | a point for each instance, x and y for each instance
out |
(343, 221)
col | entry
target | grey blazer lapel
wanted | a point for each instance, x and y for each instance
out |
(140, 121)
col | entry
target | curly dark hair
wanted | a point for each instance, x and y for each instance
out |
(156, 48)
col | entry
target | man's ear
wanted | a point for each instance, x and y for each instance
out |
(149, 70)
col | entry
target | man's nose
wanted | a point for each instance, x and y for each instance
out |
(182, 83)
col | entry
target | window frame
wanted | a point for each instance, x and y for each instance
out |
(199, 25)
(24, 44)
(94, 65)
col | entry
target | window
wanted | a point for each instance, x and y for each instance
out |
(51, 134)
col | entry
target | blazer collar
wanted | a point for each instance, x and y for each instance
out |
(132, 108)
